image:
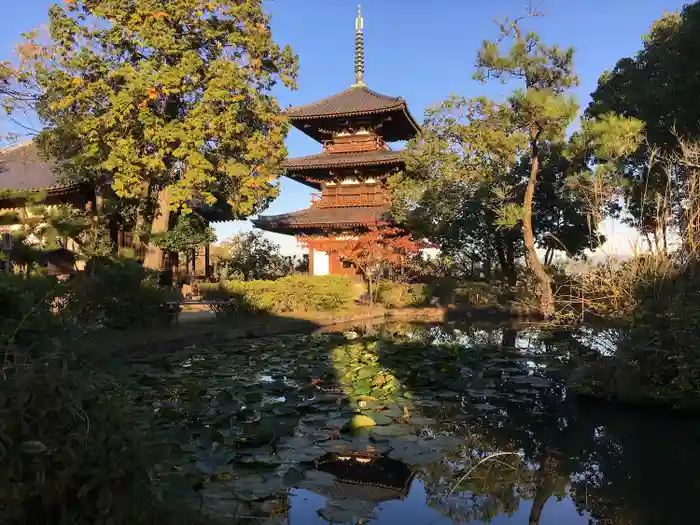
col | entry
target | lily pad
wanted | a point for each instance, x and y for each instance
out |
(361, 421)
(393, 430)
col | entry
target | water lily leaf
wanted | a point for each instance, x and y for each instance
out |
(367, 372)
(209, 464)
(224, 397)
(392, 430)
(415, 454)
(335, 514)
(445, 442)
(361, 421)
(335, 445)
(292, 476)
(447, 394)
(284, 410)
(420, 420)
(33, 448)
(380, 419)
(317, 479)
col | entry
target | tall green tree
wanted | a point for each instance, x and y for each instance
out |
(459, 183)
(658, 86)
(469, 173)
(540, 109)
(167, 102)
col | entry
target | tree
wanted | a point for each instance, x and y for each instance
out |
(658, 86)
(540, 109)
(167, 102)
(252, 256)
(468, 174)
(190, 233)
(459, 179)
(375, 251)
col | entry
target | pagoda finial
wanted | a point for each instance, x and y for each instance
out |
(359, 49)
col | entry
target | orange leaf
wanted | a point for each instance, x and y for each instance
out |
(160, 14)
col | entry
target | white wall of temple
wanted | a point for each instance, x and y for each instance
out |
(322, 264)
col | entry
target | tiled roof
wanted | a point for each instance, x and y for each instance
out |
(355, 101)
(344, 160)
(22, 168)
(324, 218)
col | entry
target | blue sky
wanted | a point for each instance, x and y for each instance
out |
(422, 51)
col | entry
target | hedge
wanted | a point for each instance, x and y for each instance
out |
(401, 295)
(288, 294)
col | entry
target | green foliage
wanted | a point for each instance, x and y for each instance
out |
(25, 309)
(654, 298)
(288, 294)
(401, 295)
(251, 256)
(479, 294)
(101, 293)
(164, 95)
(73, 449)
(657, 86)
(190, 232)
(69, 452)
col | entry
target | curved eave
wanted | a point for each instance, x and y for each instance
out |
(20, 199)
(304, 123)
(330, 165)
(297, 229)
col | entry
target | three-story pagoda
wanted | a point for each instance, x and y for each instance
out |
(354, 127)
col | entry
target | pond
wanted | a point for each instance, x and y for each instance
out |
(467, 424)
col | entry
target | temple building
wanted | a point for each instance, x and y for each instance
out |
(24, 173)
(354, 127)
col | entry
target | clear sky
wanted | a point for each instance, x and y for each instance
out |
(422, 51)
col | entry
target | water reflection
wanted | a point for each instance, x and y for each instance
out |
(264, 429)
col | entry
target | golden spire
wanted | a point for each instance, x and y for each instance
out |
(359, 49)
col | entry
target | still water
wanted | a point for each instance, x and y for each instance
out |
(471, 424)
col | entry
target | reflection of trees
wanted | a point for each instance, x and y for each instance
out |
(639, 469)
(614, 464)
(605, 464)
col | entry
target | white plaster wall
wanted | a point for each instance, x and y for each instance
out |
(321, 263)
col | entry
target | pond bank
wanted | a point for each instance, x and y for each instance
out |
(209, 329)
(202, 328)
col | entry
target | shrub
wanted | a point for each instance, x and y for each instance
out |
(401, 295)
(478, 294)
(26, 308)
(120, 294)
(655, 299)
(289, 294)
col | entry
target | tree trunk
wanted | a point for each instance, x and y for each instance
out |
(369, 289)
(510, 263)
(545, 488)
(545, 288)
(504, 252)
(161, 223)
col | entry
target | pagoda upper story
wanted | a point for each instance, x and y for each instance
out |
(354, 127)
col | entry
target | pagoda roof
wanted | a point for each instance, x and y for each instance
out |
(326, 160)
(358, 100)
(22, 168)
(315, 218)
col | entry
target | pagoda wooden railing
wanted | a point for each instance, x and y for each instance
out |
(337, 201)
(355, 143)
